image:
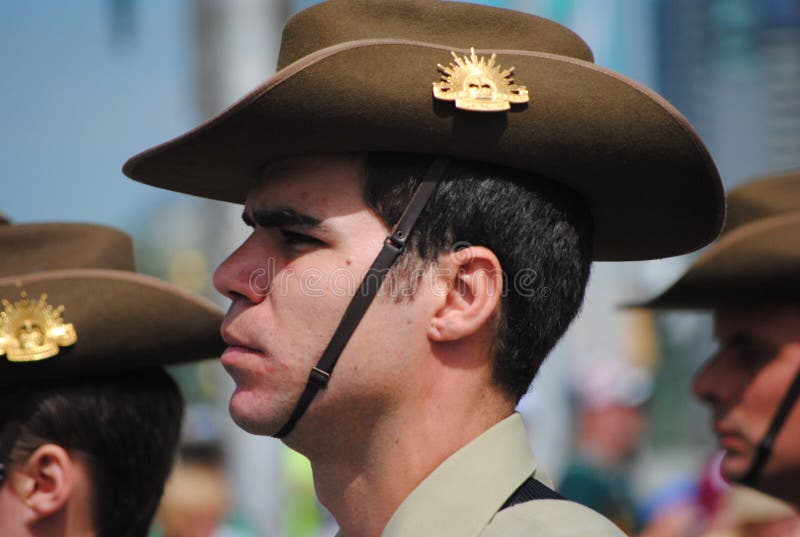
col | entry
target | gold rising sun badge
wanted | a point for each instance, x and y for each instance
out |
(33, 330)
(478, 85)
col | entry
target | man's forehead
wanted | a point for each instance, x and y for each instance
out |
(299, 175)
(321, 187)
(767, 323)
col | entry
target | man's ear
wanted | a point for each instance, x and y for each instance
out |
(473, 283)
(44, 483)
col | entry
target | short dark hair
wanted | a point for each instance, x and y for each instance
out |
(127, 426)
(540, 231)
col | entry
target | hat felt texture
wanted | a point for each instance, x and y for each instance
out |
(766, 196)
(122, 320)
(756, 261)
(356, 75)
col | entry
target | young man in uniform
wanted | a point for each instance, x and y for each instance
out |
(750, 280)
(89, 421)
(478, 160)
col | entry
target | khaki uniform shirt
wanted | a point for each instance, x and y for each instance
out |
(461, 497)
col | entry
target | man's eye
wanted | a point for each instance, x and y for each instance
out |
(294, 238)
(753, 358)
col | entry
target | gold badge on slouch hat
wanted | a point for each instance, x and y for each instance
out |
(478, 85)
(33, 330)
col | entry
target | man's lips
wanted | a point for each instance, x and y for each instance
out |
(237, 349)
(730, 439)
(234, 341)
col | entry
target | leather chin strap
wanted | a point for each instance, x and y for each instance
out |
(764, 449)
(393, 246)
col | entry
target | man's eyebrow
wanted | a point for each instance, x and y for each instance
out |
(744, 340)
(280, 217)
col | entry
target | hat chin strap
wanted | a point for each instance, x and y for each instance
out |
(393, 246)
(764, 448)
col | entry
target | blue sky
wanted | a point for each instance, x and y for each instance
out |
(79, 98)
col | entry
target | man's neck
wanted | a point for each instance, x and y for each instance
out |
(69, 522)
(367, 474)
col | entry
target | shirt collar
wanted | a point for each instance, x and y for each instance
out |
(462, 495)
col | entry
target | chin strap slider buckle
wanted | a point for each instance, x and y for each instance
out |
(319, 377)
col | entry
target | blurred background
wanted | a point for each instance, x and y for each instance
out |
(85, 85)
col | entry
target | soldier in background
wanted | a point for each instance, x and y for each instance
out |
(89, 420)
(750, 280)
(610, 396)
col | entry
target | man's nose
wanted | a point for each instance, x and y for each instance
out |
(701, 386)
(246, 273)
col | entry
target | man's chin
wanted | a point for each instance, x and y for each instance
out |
(734, 466)
(246, 417)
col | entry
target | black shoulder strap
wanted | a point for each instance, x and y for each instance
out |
(531, 489)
